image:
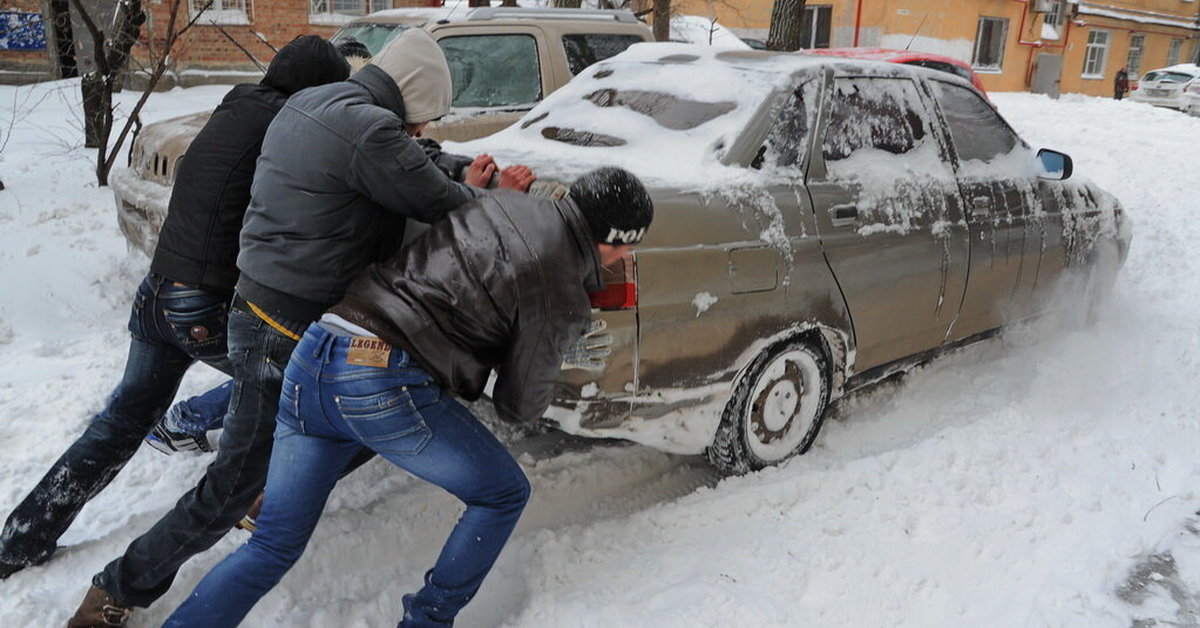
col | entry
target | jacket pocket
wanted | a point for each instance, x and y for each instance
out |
(387, 422)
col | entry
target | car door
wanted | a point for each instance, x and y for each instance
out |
(889, 216)
(1010, 228)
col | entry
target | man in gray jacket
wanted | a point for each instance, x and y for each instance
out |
(338, 176)
(502, 283)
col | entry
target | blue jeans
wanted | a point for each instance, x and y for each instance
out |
(230, 484)
(330, 409)
(172, 327)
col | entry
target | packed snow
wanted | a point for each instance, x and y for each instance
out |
(1043, 478)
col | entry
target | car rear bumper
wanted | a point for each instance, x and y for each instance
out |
(141, 208)
(1173, 102)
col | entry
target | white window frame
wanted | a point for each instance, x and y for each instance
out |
(1055, 17)
(979, 39)
(1174, 50)
(1133, 60)
(221, 12)
(1096, 63)
(328, 12)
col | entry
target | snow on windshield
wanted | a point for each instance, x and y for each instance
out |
(666, 111)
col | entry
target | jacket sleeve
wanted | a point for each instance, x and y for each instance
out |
(392, 170)
(525, 380)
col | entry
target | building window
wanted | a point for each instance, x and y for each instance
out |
(1053, 21)
(814, 29)
(1173, 51)
(221, 11)
(342, 11)
(989, 43)
(1133, 62)
(1096, 55)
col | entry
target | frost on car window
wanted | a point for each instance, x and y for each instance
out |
(670, 110)
(373, 36)
(586, 49)
(493, 70)
(873, 113)
(788, 137)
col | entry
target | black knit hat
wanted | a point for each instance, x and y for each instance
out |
(615, 204)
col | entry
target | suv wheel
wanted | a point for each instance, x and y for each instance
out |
(776, 409)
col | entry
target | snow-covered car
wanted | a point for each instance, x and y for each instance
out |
(820, 224)
(1168, 87)
(502, 60)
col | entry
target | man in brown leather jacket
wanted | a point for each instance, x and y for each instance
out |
(500, 283)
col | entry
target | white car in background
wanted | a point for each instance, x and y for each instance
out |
(1171, 87)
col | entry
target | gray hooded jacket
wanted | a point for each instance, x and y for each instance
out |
(500, 283)
(337, 178)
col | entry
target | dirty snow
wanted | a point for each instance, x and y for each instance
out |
(1045, 478)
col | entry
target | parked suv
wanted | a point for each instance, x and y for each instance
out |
(503, 61)
(820, 224)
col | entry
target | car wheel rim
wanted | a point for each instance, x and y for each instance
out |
(784, 405)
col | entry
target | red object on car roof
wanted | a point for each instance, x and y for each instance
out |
(929, 60)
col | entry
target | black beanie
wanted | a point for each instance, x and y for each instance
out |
(615, 204)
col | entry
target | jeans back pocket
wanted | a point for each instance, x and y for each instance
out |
(387, 422)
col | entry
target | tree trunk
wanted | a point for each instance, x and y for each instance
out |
(787, 20)
(479, 3)
(93, 108)
(568, 4)
(64, 39)
(662, 20)
(508, 3)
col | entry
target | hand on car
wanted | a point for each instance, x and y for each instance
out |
(517, 178)
(480, 172)
(591, 351)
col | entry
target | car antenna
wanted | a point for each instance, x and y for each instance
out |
(456, 5)
(919, 27)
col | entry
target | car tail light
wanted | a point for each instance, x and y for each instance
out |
(620, 289)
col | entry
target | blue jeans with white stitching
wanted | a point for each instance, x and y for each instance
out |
(329, 409)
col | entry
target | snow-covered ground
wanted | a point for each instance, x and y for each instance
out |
(1018, 482)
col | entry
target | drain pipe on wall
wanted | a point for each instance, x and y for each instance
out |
(857, 21)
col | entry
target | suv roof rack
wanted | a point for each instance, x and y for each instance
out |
(508, 13)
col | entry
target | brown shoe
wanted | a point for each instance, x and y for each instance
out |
(99, 610)
(249, 522)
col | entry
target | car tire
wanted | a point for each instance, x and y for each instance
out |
(776, 409)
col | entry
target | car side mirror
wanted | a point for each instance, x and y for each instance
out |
(1055, 165)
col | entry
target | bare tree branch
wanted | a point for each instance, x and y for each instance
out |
(239, 46)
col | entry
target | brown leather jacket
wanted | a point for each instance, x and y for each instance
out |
(500, 283)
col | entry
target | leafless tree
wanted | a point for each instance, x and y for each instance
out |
(112, 54)
(787, 20)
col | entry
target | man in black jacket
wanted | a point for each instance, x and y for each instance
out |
(338, 175)
(179, 311)
(500, 283)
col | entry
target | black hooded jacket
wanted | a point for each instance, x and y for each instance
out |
(198, 244)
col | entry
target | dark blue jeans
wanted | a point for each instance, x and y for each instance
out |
(172, 328)
(230, 484)
(328, 411)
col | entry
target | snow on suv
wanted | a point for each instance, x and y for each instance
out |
(503, 61)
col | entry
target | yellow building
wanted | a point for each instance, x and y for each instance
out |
(1039, 45)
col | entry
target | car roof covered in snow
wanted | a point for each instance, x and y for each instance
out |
(669, 112)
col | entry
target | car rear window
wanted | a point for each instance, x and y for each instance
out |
(1167, 77)
(373, 36)
(941, 66)
(585, 49)
(493, 70)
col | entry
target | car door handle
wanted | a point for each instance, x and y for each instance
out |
(981, 206)
(843, 215)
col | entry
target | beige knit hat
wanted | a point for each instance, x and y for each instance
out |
(416, 63)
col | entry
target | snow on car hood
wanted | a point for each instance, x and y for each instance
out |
(668, 112)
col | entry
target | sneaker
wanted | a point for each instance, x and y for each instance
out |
(170, 442)
(100, 610)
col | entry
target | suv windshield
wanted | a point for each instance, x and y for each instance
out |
(373, 36)
(493, 70)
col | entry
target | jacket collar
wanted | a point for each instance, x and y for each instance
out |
(381, 87)
(594, 278)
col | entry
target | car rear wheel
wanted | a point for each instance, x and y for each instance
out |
(776, 409)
